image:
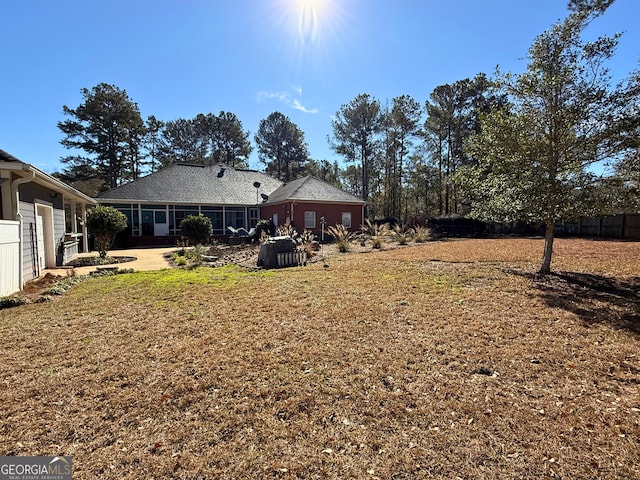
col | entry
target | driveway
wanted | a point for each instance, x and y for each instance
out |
(152, 258)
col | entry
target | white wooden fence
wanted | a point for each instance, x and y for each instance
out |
(287, 259)
(9, 257)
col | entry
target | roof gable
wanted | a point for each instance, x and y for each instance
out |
(312, 189)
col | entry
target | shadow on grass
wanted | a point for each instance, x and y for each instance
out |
(596, 299)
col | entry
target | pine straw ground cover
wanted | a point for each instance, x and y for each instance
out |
(444, 360)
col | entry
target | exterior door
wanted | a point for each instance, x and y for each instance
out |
(146, 222)
(42, 261)
(160, 226)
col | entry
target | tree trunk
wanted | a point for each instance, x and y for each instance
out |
(549, 232)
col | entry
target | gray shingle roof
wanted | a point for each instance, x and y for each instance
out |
(195, 184)
(313, 190)
(47, 180)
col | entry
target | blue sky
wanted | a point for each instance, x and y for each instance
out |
(304, 58)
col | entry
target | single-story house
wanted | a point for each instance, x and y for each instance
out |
(157, 203)
(41, 223)
(312, 204)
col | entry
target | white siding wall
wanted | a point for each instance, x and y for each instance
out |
(9, 257)
(30, 265)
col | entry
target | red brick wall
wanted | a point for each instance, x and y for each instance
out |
(331, 212)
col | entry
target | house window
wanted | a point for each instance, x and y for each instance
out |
(215, 215)
(309, 219)
(235, 217)
(181, 212)
(346, 219)
(253, 217)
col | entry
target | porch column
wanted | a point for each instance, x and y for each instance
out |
(74, 223)
(85, 239)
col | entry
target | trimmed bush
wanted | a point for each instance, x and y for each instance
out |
(197, 228)
(104, 223)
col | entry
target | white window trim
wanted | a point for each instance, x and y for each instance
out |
(342, 219)
(306, 224)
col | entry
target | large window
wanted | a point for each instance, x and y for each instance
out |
(253, 217)
(309, 219)
(235, 217)
(346, 219)
(181, 212)
(216, 217)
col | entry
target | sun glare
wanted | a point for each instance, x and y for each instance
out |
(308, 20)
(314, 27)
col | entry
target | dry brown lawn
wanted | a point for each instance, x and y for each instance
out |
(444, 360)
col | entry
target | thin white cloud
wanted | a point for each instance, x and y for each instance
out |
(290, 99)
(298, 106)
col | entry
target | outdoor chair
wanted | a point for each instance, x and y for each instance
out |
(239, 232)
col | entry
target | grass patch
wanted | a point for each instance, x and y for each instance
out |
(442, 360)
(178, 279)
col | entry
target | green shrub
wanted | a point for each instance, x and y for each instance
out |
(104, 223)
(197, 228)
(265, 228)
(196, 255)
(10, 302)
(180, 261)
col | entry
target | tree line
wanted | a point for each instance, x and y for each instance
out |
(112, 144)
(511, 147)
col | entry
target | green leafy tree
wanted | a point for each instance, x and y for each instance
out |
(197, 228)
(355, 130)
(453, 112)
(83, 178)
(183, 141)
(589, 6)
(107, 127)
(401, 126)
(324, 170)
(627, 168)
(104, 223)
(230, 142)
(281, 147)
(534, 157)
(205, 139)
(153, 142)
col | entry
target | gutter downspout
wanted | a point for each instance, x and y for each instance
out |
(291, 218)
(18, 215)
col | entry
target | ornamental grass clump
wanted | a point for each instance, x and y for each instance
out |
(421, 234)
(341, 236)
(376, 232)
(287, 230)
(401, 234)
